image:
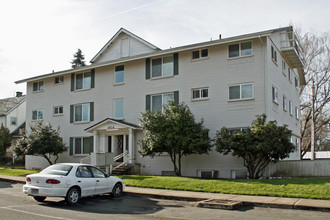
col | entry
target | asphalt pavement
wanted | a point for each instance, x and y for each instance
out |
(218, 200)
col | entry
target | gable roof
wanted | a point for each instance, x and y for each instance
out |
(6, 105)
(107, 120)
(123, 30)
(159, 52)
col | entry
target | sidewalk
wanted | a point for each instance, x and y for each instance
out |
(273, 202)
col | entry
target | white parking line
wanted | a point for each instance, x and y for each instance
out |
(13, 208)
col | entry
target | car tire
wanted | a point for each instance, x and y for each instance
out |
(39, 198)
(117, 190)
(72, 197)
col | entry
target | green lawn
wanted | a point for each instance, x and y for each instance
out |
(16, 172)
(312, 188)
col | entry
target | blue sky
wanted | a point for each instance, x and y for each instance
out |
(38, 36)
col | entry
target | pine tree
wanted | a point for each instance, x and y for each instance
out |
(78, 60)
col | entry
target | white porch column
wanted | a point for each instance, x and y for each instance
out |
(113, 144)
(131, 147)
(96, 147)
(102, 143)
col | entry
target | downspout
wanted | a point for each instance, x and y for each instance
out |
(264, 63)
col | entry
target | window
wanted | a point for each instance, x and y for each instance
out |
(118, 108)
(275, 94)
(297, 142)
(83, 81)
(58, 110)
(200, 94)
(38, 86)
(274, 54)
(284, 103)
(13, 120)
(290, 108)
(119, 74)
(290, 74)
(158, 101)
(297, 113)
(162, 66)
(283, 67)
(59, 80)
(240, 50)
(198, 54)
(37, 114)
(81, 113)
(82, 145)
(242, 91)
(296, 83)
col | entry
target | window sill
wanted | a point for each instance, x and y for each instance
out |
(161, 77)
(239, 57)
(58, 115)
(275, 62)
(118, 84)
(239, 100)
(39, 91)
(82, 122)
(82, 90)
(199, 59)
(58, 84)
(201, 99)
(275, 102)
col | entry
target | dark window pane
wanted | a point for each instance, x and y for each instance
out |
(205, 53)
(234, 92)
(77, 146)
(234, 50)
(195, 54)
(157, 67)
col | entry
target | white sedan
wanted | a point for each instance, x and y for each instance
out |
(71, 181)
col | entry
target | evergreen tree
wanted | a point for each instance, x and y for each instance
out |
(78, 60)
(5, 140)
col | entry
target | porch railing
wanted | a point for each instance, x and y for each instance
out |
(118, 157)
(86, 160)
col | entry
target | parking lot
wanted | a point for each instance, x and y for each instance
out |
(16, 205)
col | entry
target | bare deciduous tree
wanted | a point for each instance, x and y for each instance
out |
(315, 104)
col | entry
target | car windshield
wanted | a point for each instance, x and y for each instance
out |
(57, 169)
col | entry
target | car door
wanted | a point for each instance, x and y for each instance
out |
(102, 183)
(85, 180)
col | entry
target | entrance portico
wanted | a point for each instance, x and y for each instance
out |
(115, 136)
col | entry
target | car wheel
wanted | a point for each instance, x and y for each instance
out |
(39, 198)
(117, 190)
(72, 197)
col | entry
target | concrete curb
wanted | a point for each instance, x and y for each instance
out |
(217, 200)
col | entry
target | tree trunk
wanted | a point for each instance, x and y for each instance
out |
(49, 161)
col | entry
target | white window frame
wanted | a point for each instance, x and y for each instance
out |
(275, 94)
(290, 108)
(285, 108)
(81, 146)
(60, 80)
(240, 50)
(163, 104)
(115, 75)
(296, 112)
(200, 52)
(59, 113)
(162, 67)
(240, 92)
(274, 53)
(40, 86)
(13, 120)
(83, 81)
(82, 113)
(284, 67)
(115, 103)
(40, 115)
(296, 82)
(200, 92)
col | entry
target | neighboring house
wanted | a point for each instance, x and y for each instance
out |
(12, 116)
(227, 82)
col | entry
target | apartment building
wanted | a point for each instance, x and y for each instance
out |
(227, 82)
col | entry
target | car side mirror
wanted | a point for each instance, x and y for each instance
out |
(107, 175)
